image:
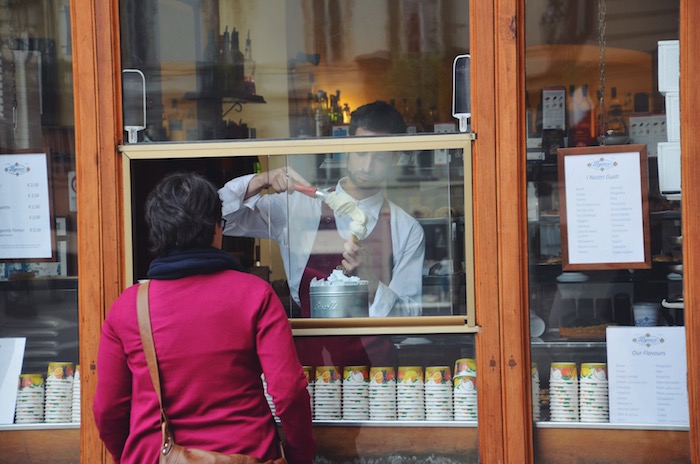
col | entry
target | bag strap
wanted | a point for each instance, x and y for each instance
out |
(149, 350)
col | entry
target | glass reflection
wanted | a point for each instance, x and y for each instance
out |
(359, 234)
(233, 70)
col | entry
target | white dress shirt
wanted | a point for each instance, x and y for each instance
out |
(292, 221)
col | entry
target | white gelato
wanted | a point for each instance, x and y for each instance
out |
(337, 277)
(345, 204)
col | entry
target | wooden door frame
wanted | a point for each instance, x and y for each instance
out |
(97, 99)
(503, 348)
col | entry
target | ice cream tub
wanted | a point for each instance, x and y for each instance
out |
(340, 300)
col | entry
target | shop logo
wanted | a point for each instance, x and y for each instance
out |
(602, 164)
(648, 340)
(17, 169)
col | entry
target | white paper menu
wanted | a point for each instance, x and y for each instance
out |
(25, 215)
(647, 375)
(11, 356)
(604, 208)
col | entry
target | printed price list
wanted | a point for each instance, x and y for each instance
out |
(25, 215)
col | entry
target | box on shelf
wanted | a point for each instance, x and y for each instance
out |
(673, 117)
(669, 159)
(669, 66)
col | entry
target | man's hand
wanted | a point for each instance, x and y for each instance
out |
(357, 262)
(277, 180)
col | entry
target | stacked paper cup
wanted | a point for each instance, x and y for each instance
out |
(30, 399)
(465, 402)
(356, 393)
(438, 393)
(382, 393)
(535, 374)
(327, 393)
(59, 392)
(268, 397)
(309, 374)
(75, 403)
(563, 392)
(410, 403)
(593, 397)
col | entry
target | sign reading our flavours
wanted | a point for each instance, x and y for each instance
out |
(25, 216)
(604, 208)
(647, 375)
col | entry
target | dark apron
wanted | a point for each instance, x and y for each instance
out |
(346, 350)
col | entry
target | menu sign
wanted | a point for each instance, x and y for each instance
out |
(25, 215)
(647, 375)
(604, 208)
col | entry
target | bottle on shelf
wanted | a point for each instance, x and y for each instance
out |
(210, 67)
(582, 132)
(615, 130)
(225, 65)
(238, 62)
(248, 68)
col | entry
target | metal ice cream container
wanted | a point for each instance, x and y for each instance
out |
(348, 300)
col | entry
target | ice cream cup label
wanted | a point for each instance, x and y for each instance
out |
(308, 373)
(466, 366)
(30, 381)
(327, 374)
(60, 370)
(594, 372)
(355, 375)
(565, 371)
(465, 383)
(438, 375)
(410, 375)
(382, 375)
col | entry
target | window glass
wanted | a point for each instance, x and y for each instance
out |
(409, 230)
(38, 262)
(237, 70)
(605, 82)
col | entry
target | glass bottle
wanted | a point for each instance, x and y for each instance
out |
(248, 68)
(237, 60)
(615, 131)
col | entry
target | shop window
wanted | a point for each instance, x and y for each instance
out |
(598, 82)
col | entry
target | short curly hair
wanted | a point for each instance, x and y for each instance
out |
(379, 117)
(182, 212)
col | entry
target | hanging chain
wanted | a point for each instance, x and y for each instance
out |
(13, 70)
(602, 44)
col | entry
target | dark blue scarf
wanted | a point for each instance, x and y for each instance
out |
(184, 263)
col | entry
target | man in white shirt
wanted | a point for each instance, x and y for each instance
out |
(313, 239)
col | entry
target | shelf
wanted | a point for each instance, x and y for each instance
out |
(243, 99)
(551, 339)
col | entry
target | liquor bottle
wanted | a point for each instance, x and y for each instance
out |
(346, 113)
(209, 69)
(238, 62)
(583, 129)
(615, 130)
(248, 68)
(225, 64)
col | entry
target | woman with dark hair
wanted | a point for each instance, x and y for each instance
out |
(216, 330)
